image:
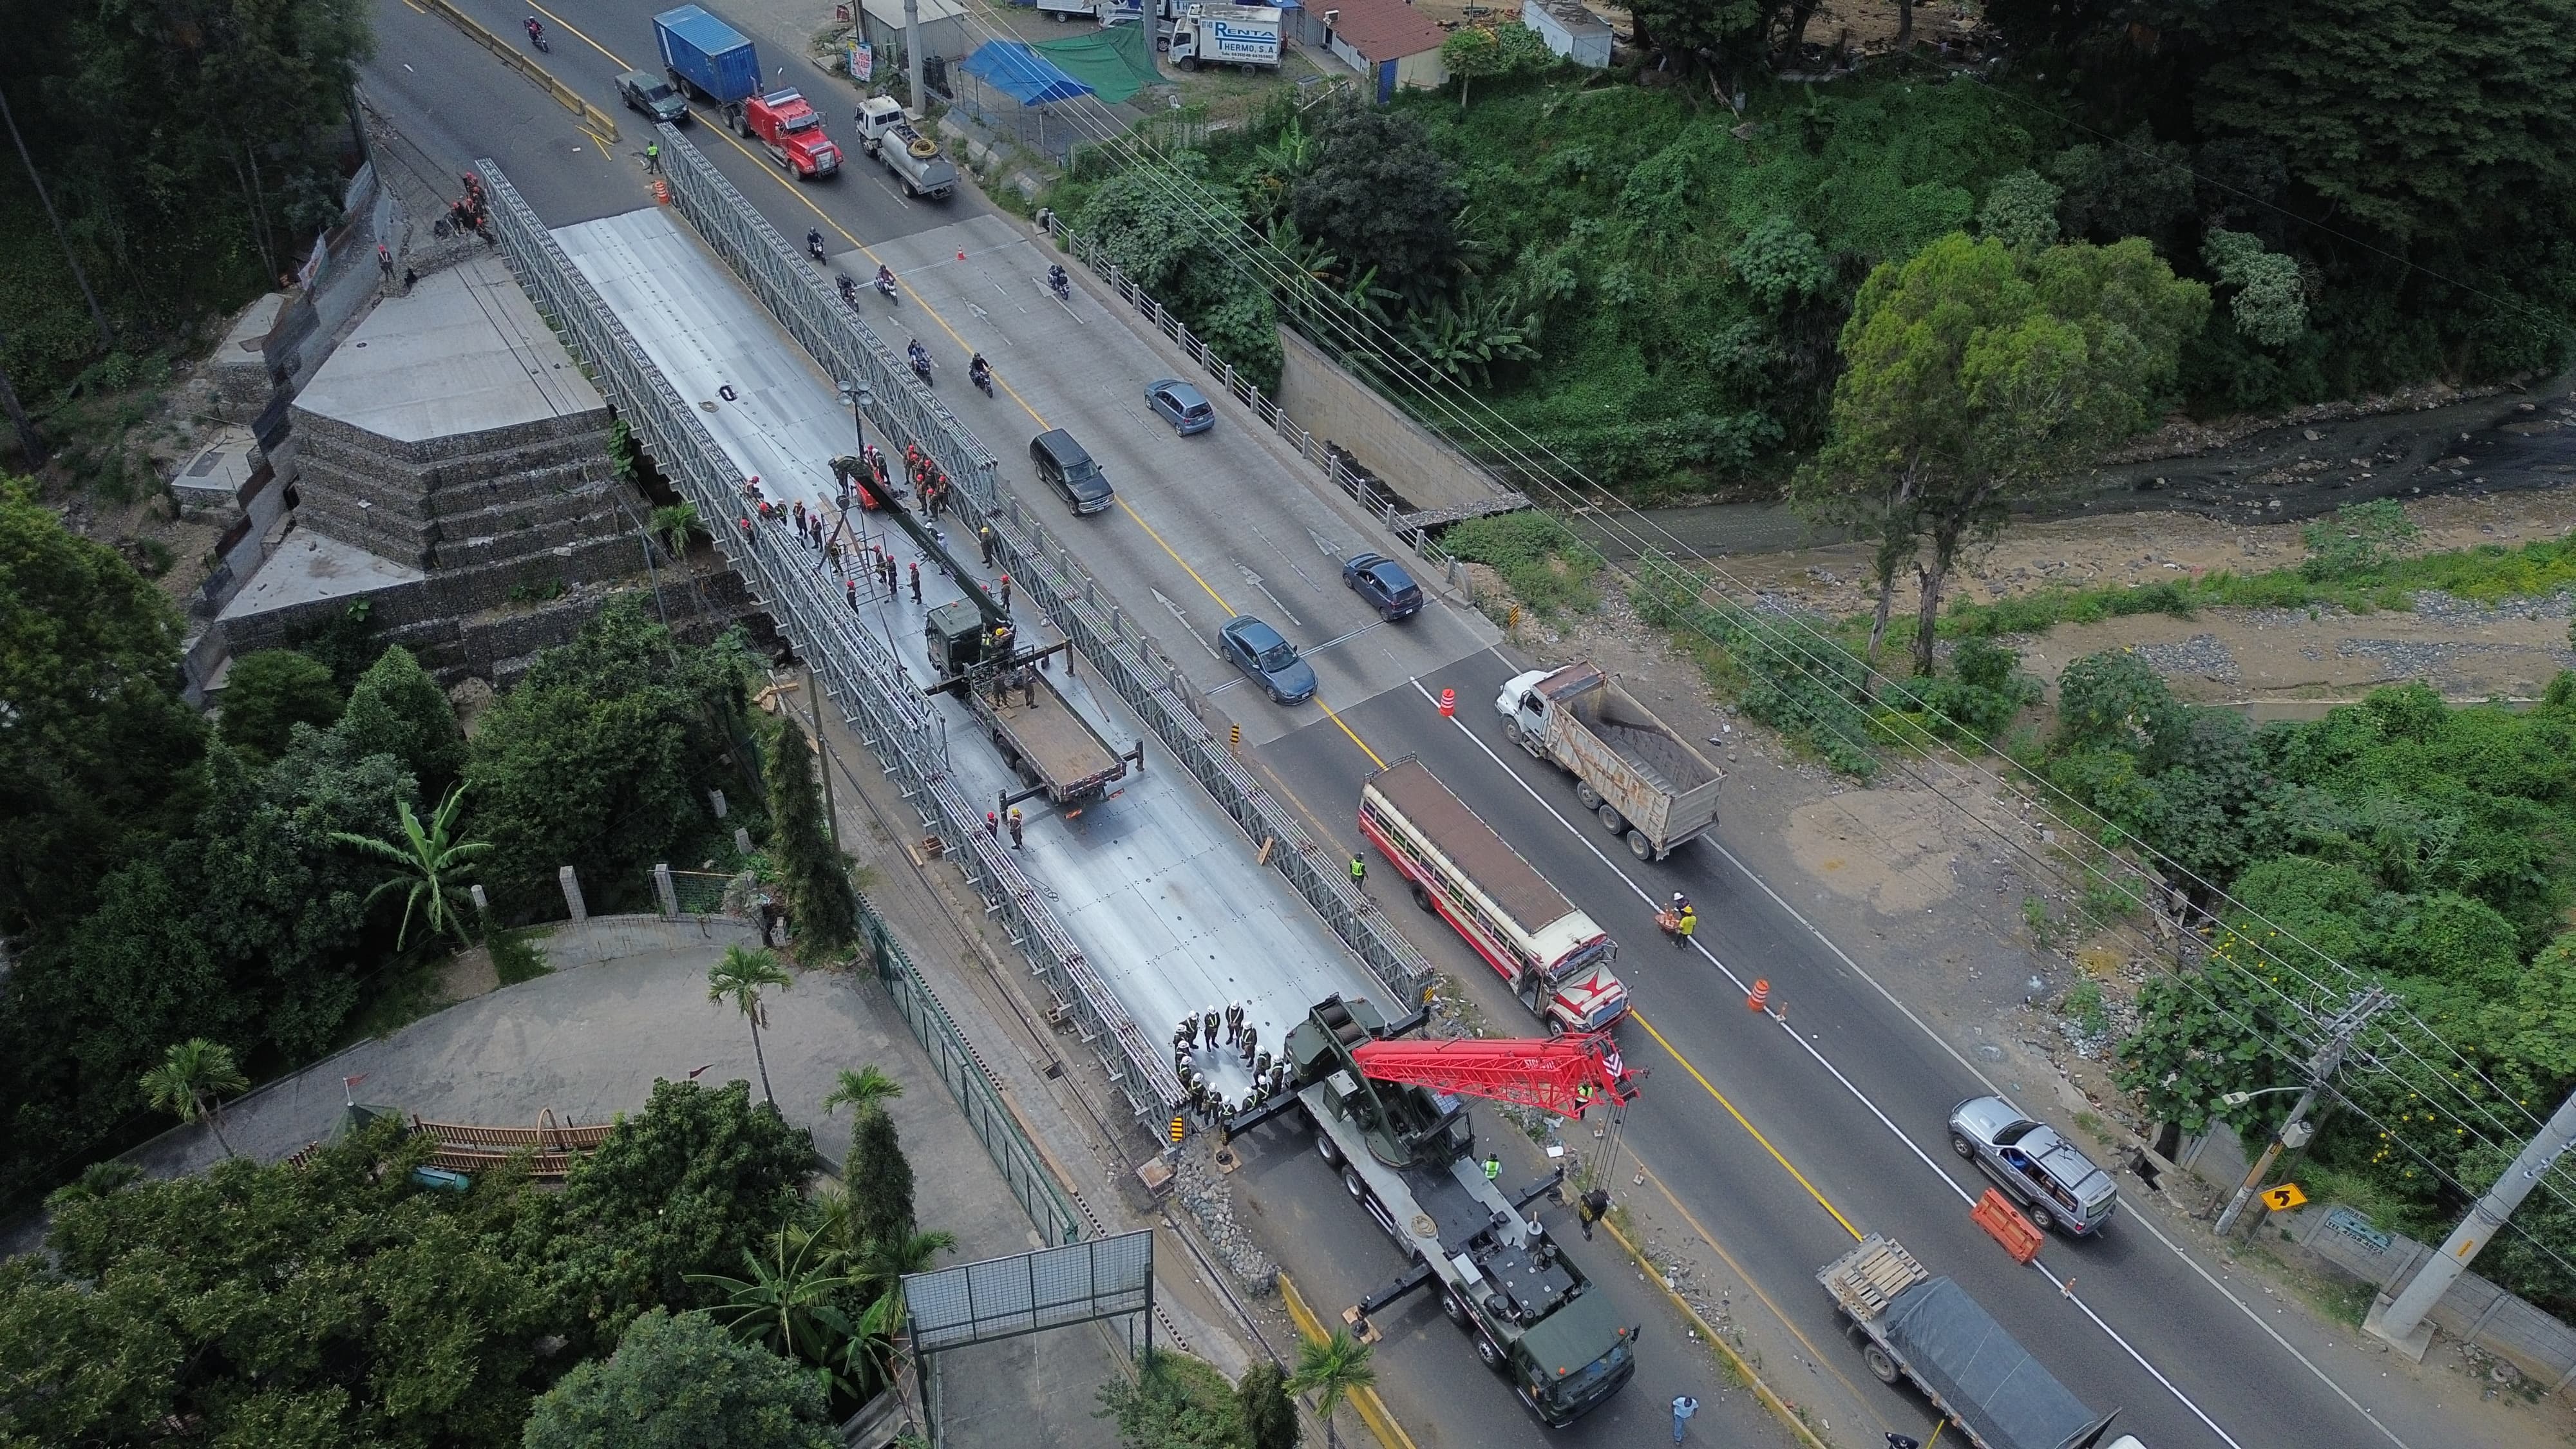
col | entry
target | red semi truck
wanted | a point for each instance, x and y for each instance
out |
(789, 128)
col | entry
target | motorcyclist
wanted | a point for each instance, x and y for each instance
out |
(814, 240)
(849, 289)
(1057, 281)
(919, 354)
(536, 32)
(979, 370)
(885, 276)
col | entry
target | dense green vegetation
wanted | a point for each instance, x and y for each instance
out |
(1178, 1402)
(188, 154)
(344, 1303)
(2404, 840)
(1651, 283)
(163, 883)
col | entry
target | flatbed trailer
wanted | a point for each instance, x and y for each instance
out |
(1056, 752)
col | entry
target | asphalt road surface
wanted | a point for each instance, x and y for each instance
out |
(1779, 1142)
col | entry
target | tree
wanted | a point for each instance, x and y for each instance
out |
(1173, 1402)
(190, 1084)
(433, 864)
(268, 693)
(2468, 128)
(398, 710)
(868, 1089)
(601, 757)
(817, 878)
(683, 1187)
(741, 977)
(382, 1314)
(2020, 211)
(1333, 1369)
(789, 1305)
(1379, 190)
(1470, 52)
(880, 1182)
(2270, 305)
(1269, 1415)
(1976, 375)
(97, 752)
(682, 1383)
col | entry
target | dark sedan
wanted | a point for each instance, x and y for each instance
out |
(1257, 650)
(1384, 583)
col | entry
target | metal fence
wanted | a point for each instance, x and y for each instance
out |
(1076, 604)
(976, 1095)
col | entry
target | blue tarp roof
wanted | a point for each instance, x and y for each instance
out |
(1030, 77)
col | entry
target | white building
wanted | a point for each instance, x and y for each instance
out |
(1569, 30)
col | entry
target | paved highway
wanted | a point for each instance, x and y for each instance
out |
(1778, 1141)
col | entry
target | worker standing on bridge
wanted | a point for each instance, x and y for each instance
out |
(1006, 593)
(1210, 1014)
(1188, 1034)
(1251, 1038)
(916, 581)
(1015, 827)
(800, 515)
(1278, 1078)
(1359, 872)
(1261, 1064)
(1493, 1168)
(984, 537)
(1233, 1022)
(993, 824)
(851, 586)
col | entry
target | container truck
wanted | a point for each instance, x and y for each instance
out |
(1388, 1116)
(1636, 774)
(886, 133)
(706, 57)
(1912, 1326)
(1551, 955)
(1238, 35)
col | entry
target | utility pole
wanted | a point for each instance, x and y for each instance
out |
(2339, 1032)
(106, 337)
(912, 60)
(2403, 1316)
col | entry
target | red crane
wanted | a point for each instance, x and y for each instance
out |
(1550, 1075)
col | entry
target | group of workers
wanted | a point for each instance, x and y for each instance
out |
(1200, 1031)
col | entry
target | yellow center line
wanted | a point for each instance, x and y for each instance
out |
(1639, 1017)
(1167, 549)
(1815, 1355)
(1346, 729)
(567, 28)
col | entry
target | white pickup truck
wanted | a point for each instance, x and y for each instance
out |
(886, 133)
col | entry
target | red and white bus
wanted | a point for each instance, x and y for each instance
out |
(1552, 956)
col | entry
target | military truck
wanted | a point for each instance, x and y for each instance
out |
(1388, 1116)
(1046, 742)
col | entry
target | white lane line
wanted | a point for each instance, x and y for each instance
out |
(2139, 1217)
(1863, 1098)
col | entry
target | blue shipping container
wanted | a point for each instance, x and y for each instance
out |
(706, 55)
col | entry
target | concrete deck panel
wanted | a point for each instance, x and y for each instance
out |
(464, 353)
(309, 567)
(1160, 890)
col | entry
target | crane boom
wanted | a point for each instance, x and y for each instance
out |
(1549, 1075)
(854, 473)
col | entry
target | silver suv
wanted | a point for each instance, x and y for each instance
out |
(2058, 1184)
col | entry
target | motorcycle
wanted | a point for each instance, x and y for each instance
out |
(885, 284)
(1060, 284)
(537, 36)
(921, 365)
(982, 377)
(814, 245)
(849, 291)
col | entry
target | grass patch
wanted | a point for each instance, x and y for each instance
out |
(1540, 559)
(517, 955)
(2335, 575)
(407, 991)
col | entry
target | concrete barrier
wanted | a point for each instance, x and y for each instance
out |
(510, 55)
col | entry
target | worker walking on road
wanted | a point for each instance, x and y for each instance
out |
(652, 158)
(1359, 872)
(1683, 1407)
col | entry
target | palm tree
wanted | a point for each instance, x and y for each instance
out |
(675, 524)
(433, 861)
(193, 1074)
(1335, 1369)
(788, 1306)
(867, 1089)
(744, 973)
(881, 1266)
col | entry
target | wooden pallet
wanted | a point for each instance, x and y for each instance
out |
(1873, 1275)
